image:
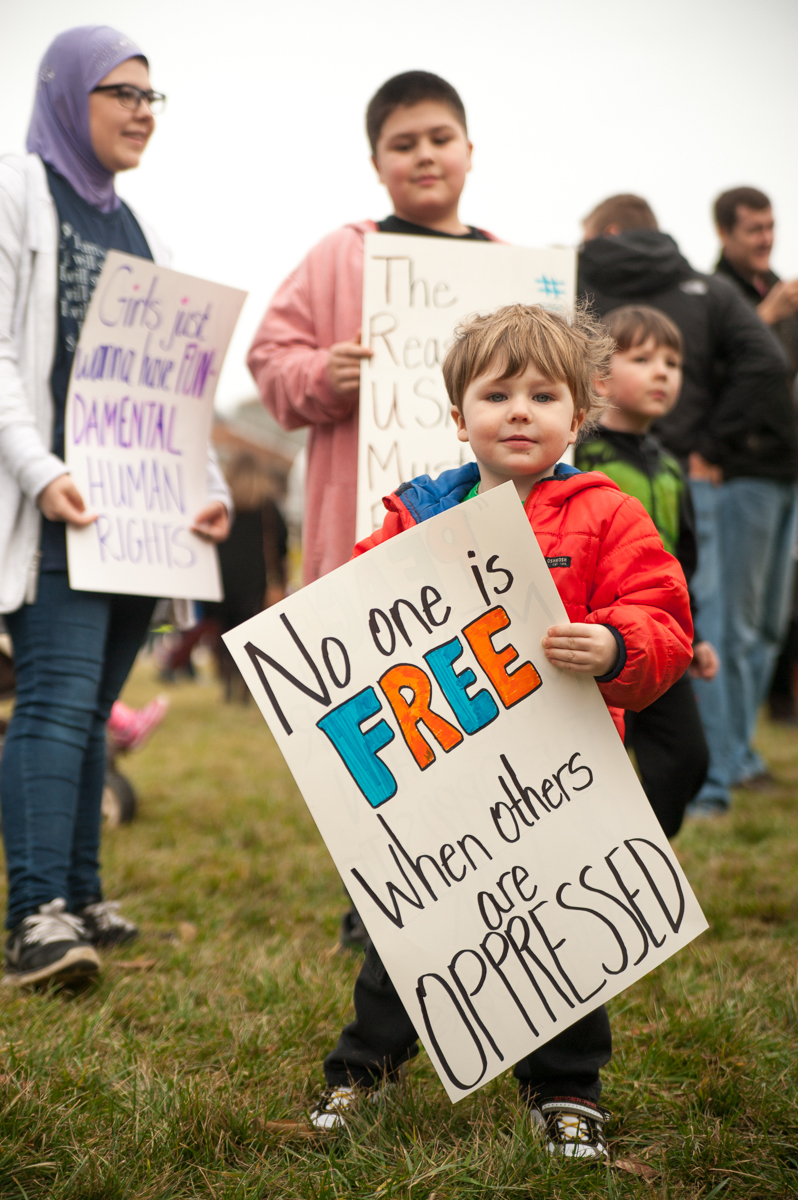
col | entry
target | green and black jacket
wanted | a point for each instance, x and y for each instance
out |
(642, 467)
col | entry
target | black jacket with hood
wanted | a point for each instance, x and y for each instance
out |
(735, 407)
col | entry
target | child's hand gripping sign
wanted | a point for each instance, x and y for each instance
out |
(477, 801)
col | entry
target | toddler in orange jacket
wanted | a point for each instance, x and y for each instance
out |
(522, 383)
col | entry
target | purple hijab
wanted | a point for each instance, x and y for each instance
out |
(59, 127)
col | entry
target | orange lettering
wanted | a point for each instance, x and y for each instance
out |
(511, 686)
(411, 714)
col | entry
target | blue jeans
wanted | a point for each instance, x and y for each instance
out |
(72, 653)
(743, 585)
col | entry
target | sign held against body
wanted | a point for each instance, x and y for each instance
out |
(477, 801)
(416, 290)
(138, 419)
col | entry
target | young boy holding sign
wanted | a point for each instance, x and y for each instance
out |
(306, 354)
(521, 383)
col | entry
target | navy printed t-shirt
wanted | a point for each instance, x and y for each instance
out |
(85, 237)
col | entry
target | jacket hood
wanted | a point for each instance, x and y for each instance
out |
(632, 264)
(425, 497)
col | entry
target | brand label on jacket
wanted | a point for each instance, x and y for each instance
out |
(561, 560)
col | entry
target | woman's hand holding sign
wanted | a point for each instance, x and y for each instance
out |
(212, 524)
(591, 649)
(61, 501)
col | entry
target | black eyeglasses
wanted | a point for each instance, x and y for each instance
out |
(131, 97)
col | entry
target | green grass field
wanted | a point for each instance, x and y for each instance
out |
(168, 1078)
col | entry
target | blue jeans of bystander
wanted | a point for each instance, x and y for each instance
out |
(72, 653)
(711, 695)
(757, 533)
(746, 529)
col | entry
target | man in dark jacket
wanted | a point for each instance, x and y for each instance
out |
(734, 429)
(746, 227)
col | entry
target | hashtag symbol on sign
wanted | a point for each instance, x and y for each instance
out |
(551, 287)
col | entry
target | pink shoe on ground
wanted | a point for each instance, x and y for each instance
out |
(129, 728)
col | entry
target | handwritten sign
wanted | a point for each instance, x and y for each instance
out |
(415, 291)
(138, 419)
(477, 801)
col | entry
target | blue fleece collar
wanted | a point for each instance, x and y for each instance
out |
(425, 497)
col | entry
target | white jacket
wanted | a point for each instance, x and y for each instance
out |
(28, 334)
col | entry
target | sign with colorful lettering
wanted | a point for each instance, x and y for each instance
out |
(138, 419)
(477, 801)
(416, 290)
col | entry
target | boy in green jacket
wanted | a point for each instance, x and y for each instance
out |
(644, 383)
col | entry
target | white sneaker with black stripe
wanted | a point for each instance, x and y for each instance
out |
(573, 1129)
(50, 945)
(334, 1105)
(338, 1100)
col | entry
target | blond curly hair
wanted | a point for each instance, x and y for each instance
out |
(574, 349)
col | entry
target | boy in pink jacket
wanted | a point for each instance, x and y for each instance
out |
(306, 354)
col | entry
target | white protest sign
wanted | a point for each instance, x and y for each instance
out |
(477, 801)
(138, 419)
(415, 291)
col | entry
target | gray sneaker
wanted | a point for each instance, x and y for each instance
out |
(50, 945)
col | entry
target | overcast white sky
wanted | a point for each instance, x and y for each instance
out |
(261, 150)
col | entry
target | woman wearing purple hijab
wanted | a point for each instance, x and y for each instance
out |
(59, 215)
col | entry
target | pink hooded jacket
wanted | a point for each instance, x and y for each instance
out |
(319, 304)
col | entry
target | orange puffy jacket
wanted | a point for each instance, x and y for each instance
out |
(608, 563)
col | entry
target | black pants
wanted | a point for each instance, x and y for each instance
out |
(671, 752)
(382, 1037)
(782, 701)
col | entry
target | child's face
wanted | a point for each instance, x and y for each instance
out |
(518, 428)
(644, 384)
(423, 156)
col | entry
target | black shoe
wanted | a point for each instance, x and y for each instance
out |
(573, 1129)
(763, 782)
(49, 946)
(353, 935)
(104, 926)
(783, 710)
